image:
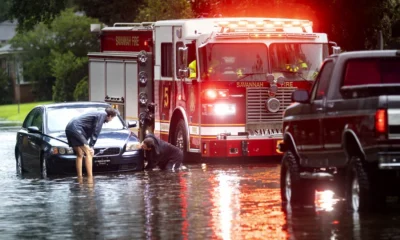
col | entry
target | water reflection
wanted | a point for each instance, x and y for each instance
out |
(206, 201)
(325, 200)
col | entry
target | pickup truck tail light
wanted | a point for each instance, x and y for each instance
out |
(381, 121)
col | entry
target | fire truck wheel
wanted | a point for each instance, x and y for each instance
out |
(180, 137)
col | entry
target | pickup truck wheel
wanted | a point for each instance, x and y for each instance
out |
(294, 189)
(361, 194)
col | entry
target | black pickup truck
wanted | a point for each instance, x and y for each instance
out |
(346, 130)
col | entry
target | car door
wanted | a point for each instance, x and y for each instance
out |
(312, 130)
(35, 140)
(23, 146)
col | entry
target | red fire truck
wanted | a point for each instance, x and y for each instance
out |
(216, 87)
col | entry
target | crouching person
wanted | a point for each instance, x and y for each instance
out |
(162, 154)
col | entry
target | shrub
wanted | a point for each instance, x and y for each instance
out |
(81, 92)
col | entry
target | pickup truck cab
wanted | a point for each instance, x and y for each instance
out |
(346, 129)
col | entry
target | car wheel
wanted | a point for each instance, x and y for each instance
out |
(180, 138)
(361, 194)
(294, 190)
(43, 168)
(19, 165)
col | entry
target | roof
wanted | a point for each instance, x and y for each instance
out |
(367, 54)
(7, 30)
(7, 49)
(74, 104)
(216, 20)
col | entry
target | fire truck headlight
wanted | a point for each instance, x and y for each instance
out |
(224, 109)
(270, 78)
(273, 105)
(273, 88)
(281, 79)
(143, 98)
(143, 77)
(142, 56)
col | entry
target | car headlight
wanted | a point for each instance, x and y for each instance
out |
(133, 146)
(62, 150)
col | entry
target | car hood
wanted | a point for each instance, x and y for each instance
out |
(105, 139)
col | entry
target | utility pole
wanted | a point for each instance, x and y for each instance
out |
(16, 67)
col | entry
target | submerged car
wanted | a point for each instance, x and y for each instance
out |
(42, 145)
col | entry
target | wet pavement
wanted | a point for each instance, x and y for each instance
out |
(206, 201)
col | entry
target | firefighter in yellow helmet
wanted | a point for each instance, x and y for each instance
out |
(299, 64)
(192, 69)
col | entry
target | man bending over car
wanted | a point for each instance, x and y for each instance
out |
(82, 129)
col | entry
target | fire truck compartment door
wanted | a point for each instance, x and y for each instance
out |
(115, 79)
(97, 87)
(131, 99)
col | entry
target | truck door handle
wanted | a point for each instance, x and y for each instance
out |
(319, 109)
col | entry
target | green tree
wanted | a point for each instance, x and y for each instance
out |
(46, 48)
(6, 89)
(4, 9)
(31, 13)
(68, 71)
(37, 45)
(110, 11)
(81, 92)
(71, 32)
(154, 10)
(354, 25)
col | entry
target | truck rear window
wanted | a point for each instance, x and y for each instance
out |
(372, 71)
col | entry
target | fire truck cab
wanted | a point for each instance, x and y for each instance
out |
(217, 87)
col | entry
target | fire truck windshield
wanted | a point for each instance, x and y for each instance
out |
(233, 61)
(297, 61)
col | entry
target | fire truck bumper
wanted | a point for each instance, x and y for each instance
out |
(225, 148)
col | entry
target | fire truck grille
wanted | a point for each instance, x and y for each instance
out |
(106, 151)
(257, 98)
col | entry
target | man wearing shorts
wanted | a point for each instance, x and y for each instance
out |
(82, 133)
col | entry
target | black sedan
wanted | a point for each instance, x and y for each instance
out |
(42, 145)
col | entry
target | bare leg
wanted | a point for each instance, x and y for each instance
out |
(88, 160)
(78, 164)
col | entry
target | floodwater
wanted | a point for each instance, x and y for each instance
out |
(206, 201)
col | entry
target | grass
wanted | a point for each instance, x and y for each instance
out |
(10, 112)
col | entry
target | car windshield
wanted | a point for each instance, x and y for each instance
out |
(233, 61)
(58, 118)
(297, 61)
(372, 71)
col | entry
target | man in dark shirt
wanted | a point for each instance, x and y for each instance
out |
(162, 154)
(82, 129)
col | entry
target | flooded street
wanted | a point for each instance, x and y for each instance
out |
(203, 202)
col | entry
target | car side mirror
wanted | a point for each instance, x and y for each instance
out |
(131, 124)
(33, 129)
(301, 96)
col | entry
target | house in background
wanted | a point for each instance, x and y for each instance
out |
(11, 64)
